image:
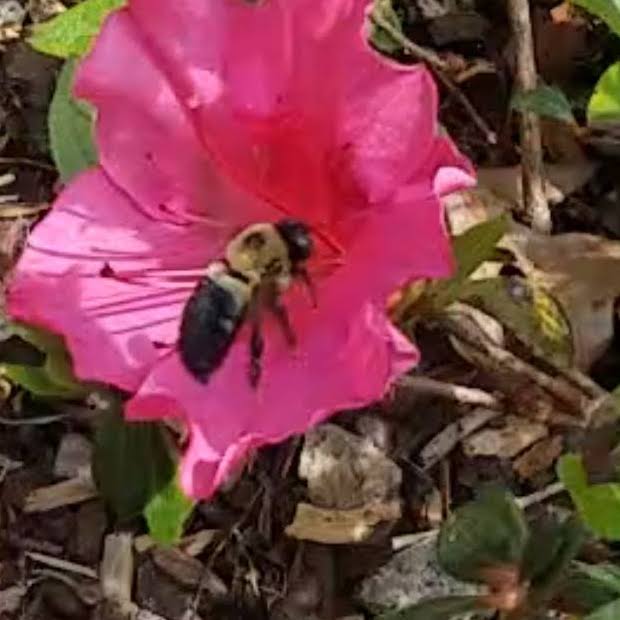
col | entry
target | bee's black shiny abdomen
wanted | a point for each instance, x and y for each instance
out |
(210, 321)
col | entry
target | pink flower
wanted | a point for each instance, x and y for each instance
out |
(211, 115)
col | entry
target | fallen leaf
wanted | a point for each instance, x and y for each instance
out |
(515, 436)
(562, 180)
(340, 527)
(540, 457)
(345, 471)
(580, 272)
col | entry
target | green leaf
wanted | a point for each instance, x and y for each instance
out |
(546, 101)
(55, 378)
(607, 10)
(131, 464)
(438, 609)
(604, 105)
(490, 531)
(580, 593)
(551, 549)
(471, 249)
(607, 612)
(35, 379)
(382, 40)
(598, 504)
(166, 513)
(70, 124)
(606, 574)
(70, 33)
(530, 313)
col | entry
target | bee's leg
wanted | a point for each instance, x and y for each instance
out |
(302, 272)
(257, 343)
(279, 311)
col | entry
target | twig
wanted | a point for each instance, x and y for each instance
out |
(575, 400)
(70, 567)
(439, 67)
(38, 421)
(25, 161)
(540, 496)
(534, 198)
(458, 393)
(448, 438)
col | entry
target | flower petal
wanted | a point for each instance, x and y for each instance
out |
(115, 328)
(287, 98)
(346, 362)
(146, 138)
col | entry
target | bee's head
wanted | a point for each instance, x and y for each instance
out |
(298, 239)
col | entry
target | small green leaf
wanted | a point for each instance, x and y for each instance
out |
(610, 611)
(530, 313)
(55, 378)
(131, 464)
(552, 547)
(490, 531)
(166, 513)
(35, 379)
(546, 101)
(382, 40)
(606, 574)
(448, 608)
(471, 249)
(580, 593)
(70, 33)
(598, 504)
(604, 105)
(607, 10)
(70, 124)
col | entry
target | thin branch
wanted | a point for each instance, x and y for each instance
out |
(540, 496)
(534, 198)
(458, 393)
(567, 393)
(440, 68)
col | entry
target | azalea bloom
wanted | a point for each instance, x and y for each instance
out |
(213, 115)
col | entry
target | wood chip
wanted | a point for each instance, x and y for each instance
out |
(335, 527)
(117, 568)
(540, 457)
(516, 435)
(67, 493)
(187, 571)
(74, 457)
(21, 209)
(444, 442)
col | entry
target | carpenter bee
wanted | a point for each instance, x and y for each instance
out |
(259, 264)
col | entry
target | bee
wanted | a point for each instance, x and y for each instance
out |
(259, 264)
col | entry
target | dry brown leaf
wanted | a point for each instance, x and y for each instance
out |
(540, 457)
(515, 436)
(580, 272)
(346, 471)
(340, 527)
(562, 180)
